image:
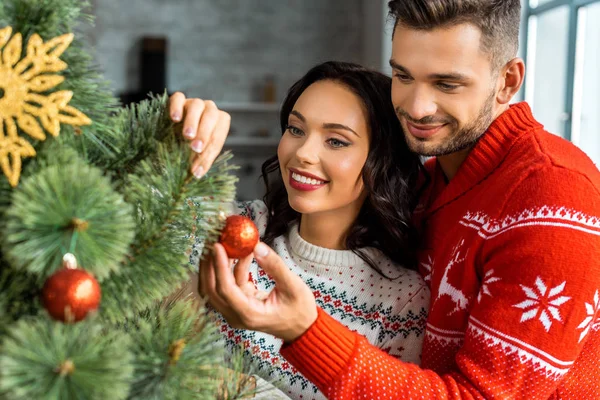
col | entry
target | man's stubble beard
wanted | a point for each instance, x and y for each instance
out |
(457, 140)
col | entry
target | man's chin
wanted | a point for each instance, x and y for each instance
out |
(426, 149)
(422, 147)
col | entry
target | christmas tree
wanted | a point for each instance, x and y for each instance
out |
(97, 211)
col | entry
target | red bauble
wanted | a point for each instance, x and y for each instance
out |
(239, 236)
(72, 289)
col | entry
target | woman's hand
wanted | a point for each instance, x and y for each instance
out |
(286, 312)
(204, 125)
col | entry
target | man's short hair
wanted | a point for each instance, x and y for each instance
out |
(498, 21)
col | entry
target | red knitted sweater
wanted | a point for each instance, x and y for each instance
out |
(512, 255)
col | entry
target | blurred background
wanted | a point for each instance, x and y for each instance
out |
(245, 54)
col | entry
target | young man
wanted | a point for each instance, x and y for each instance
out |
(510, 227)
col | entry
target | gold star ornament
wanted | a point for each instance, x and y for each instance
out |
(27, 99)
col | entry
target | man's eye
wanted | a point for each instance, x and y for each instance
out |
(402, 77)
(446, 86)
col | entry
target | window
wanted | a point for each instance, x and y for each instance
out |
(562, 54)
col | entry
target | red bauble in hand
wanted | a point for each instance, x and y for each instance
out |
(239, 236)
(70, 293)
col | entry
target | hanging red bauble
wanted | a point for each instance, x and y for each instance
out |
(70, 293)
(239, 236)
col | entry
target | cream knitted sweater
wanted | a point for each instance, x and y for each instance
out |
(390, 313)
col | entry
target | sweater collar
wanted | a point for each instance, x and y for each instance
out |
(486, 156)
(320, 255)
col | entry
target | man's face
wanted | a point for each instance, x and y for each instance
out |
(444, 88)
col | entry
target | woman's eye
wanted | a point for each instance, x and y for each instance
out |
(335, 143)
(293, 130)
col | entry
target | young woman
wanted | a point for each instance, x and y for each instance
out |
(340, 193)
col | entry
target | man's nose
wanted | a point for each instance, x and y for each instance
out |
(420, 103)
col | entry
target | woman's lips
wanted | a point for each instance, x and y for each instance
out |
(304, 186)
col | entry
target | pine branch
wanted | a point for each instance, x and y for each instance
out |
(141, 128)
(66, 206)
(92, 94)
(160, 189)
(177, 355)
(237, 380)
(42, 359)
(48, 18)
(18, 296)
(83, 193)
(5, 202)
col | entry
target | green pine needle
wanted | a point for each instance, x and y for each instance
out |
(67, 208)
(48, 18)
(161, 190)
(140, 127)
(177, 355)
(118, 194)
(43, 359)
(92, 94)
(18, 296)
(238, 382)
(5, 200)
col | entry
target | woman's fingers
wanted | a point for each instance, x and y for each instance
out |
(194, 110)
(210, 138)
(206, 278)
(242, 270)
(176, 105)
(204, 125)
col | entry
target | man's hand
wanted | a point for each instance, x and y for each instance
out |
(286, 312)
(204, 125)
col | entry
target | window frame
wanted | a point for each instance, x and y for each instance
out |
(574, 6)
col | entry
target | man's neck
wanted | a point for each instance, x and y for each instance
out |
(450, 163)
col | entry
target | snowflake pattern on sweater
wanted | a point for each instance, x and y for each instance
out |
(390, 313)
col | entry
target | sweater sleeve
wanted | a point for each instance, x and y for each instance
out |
(344, 365)
(533, 326)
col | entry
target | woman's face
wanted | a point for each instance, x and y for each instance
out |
(323, 150)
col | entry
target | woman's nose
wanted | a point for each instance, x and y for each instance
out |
(308, 151)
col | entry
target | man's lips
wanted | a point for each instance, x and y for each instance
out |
(423, 131)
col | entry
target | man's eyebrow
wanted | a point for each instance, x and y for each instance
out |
(445, 76)
(399, 67)
(449, 76)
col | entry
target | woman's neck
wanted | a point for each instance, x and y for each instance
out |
(326, 230)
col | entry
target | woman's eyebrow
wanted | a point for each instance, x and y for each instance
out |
(326, 125)
(339, 126)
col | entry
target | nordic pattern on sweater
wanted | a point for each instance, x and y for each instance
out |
(391, 314)
(510, 251)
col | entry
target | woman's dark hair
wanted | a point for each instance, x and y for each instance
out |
(390, 172)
